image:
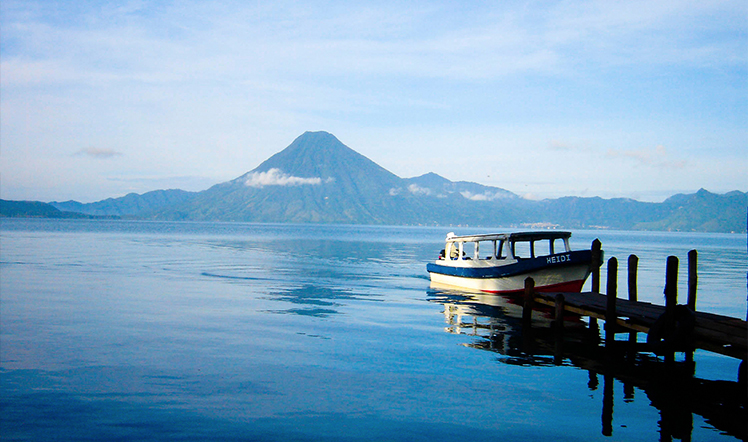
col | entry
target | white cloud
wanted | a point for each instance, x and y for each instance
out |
(95, 152)
(657, 157)
(276, 177)
(486, 196)
(418, 190)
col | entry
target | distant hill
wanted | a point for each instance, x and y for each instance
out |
(596, 212)
(129, 205)
(33, 209)
(434, 185)
(318, 179)
(702, 211)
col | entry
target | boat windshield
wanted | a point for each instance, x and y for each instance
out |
(503, 246)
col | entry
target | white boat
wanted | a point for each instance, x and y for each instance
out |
(500, 263)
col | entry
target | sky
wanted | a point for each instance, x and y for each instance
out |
(634, 99)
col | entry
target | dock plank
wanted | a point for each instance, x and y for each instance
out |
(721, 334)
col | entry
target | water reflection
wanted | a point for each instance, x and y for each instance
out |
(494, 323)
(311, 300)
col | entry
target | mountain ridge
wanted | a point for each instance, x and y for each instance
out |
(318, 179)
(128, 205)
(315, 179)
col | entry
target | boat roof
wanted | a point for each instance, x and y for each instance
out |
(518, 236)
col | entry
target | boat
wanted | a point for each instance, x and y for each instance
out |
(500, 263)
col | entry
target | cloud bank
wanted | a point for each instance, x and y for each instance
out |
(655, 157)
(418, 190)
(97, 153)
(276, 177)
(486, 196)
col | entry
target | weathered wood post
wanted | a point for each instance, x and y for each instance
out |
(671, 295)
(633, 291)
(558, 348)
(596, 250)
(595, 264)
(560, 305)
(692, 279)
(671, 284)
(610, 296)
(529, 301)
(691, 300)
(633, 269)
(528, 343)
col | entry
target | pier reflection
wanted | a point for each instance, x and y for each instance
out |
(494, 323)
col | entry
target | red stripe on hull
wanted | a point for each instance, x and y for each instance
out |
(566, 287)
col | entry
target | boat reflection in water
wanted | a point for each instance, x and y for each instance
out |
(494, 322)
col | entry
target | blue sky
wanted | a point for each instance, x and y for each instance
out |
(634, 99)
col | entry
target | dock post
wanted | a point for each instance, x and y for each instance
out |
(528, 343)
(692, 279)
(691, 300)
(558, 328)
(633, 268)
(529, 301)
(633, 295)
(610, 296)
(671, 295)
(560, 302)
(595, 264)
(671, 284)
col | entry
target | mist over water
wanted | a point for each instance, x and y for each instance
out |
(118, 330)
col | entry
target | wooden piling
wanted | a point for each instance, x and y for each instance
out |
(691, 300)
(529, 301)
(560, 302)
(611, 292)
(633, 269)
(671, 284)
(596, 249)
(692, 279)
(528, 343)
(558, 352)
(611, 296)
(671, 295)
(633, 265)
(558, 347)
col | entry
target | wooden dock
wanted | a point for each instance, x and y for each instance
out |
(719, 334)
(693, 329)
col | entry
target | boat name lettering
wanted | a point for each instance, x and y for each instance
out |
(558, 259)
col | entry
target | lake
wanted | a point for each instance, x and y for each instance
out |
(134, 330)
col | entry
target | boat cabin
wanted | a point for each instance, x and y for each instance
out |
(512, 246)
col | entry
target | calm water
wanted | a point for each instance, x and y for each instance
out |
(116, 330)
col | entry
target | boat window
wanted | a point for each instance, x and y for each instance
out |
(489, 249)
(469, 250)
(501, 250)
(558, 245)
(543, 247)
(521, 249)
